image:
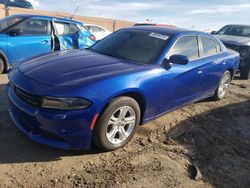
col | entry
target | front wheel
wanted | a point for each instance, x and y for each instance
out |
(222, 90)
(117, 125)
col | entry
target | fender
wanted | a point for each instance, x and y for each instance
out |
(136, 94)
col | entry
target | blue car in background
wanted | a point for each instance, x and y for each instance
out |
(26, 36)
(17, 3)
(100, 95)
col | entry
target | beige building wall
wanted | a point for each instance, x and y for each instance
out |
(110, 24)
(14, 10)
(2, 11)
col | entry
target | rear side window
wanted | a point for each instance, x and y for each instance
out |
(210, 47)
(187, 46)
(33, 27)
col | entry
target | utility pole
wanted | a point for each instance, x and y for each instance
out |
(6, 9)
(114, 24)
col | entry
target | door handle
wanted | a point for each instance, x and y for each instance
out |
(45, 42)
(224, 62)
(199, 71)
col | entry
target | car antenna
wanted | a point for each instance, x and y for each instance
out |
(72, 15)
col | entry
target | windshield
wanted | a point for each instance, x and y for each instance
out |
(135, 45)
(9, 21)
(235, 31)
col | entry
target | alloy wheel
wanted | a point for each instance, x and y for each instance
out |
(120, 125)
(224, 85)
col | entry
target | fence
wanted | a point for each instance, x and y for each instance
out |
(110, 24)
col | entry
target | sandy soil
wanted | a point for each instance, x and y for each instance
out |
(202, 145)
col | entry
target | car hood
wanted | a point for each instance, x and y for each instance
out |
(238, 40)
(76, 67)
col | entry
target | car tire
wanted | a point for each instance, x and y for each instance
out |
(245, 72)
(223, 87)
(2, 68)
(117, 125)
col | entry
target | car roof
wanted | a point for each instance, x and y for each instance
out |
(48, 17)
(169, 31)
(238, 25)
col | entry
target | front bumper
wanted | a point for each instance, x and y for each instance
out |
(60, 129)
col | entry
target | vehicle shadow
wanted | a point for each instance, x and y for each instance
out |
(237, 77)
(218, 144)
(17, 148)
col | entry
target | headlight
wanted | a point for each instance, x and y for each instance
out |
(244, 51)
(65, 103)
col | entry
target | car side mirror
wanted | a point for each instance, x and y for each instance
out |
(15, 32)
(179, 59)
(213, 32)
(166, 63)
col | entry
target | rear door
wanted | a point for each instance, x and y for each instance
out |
(29, 38)
(213, 66)
(85, 38)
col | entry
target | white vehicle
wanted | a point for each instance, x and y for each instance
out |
(98, 31)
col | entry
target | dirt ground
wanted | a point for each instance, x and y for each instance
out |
(202, 145)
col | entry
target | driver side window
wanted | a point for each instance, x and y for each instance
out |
(187, 46)
(33, 27)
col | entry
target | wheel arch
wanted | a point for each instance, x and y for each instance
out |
(231, 70)
(134, 94)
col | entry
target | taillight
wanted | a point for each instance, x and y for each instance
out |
(92, 37)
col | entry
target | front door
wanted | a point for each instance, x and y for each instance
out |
(28, 39)
(184, 81)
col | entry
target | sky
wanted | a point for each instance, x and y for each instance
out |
(197, 14)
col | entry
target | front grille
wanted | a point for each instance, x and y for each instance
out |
(232, 46)
(30, 99)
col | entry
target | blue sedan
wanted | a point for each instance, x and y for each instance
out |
(73, 99)
(26, 36)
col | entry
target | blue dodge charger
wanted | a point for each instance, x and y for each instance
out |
(73, 99)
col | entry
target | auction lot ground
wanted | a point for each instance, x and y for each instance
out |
(213, 136)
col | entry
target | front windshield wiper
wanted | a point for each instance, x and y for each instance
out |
(109, 53)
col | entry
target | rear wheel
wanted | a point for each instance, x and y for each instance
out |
(245, 71)
(117, 125)
(2, 68)
(222, 90)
